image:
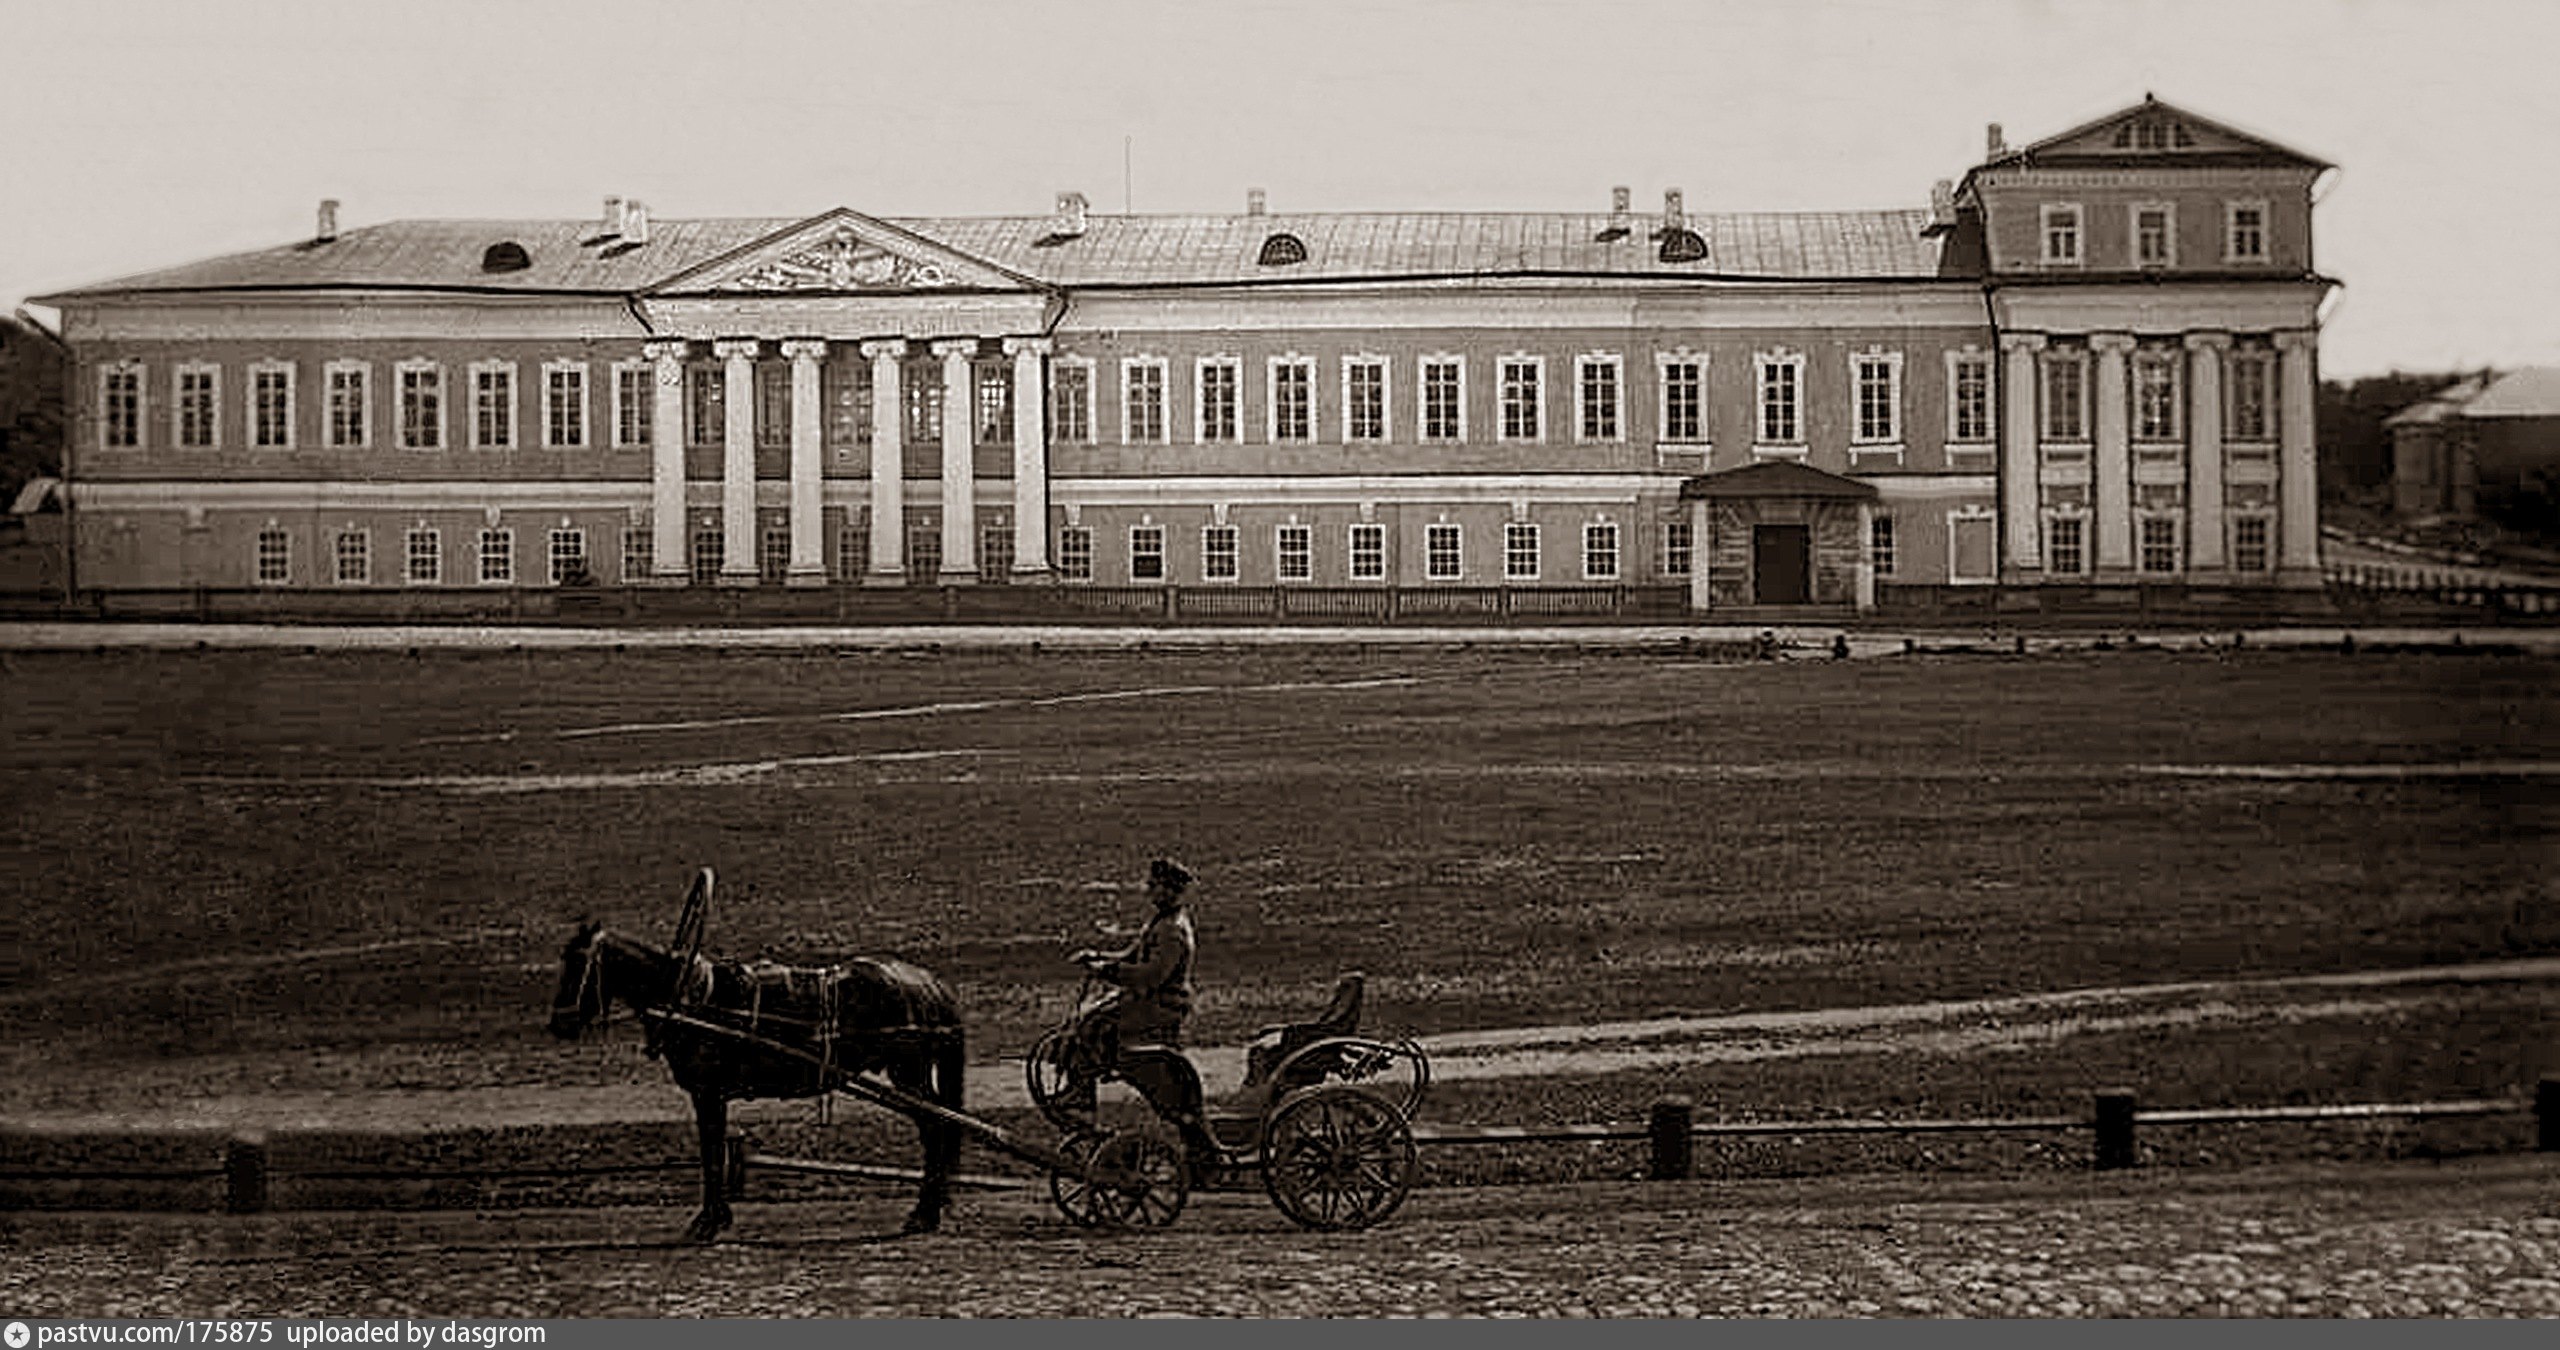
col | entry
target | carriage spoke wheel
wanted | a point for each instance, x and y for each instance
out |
(1045, 1072)
(1338, 1157)
(1132, 1180)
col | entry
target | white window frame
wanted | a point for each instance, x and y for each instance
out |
(433, 538)
(2269, 402)
(1305, 366)
(1164, 567)
(1457, 537)
(435, 427)
(2173, 362)
(1969, 515)
(1505, 367)
(1859, 364)
(1384, 369)
(1956, 362)
(1234, 372)
(1514, 533)
(2143, 521)
(1293, 544)
(179, 399)
(258, 370)
(1422, 368)
(2079, 520)
(504, 536)
(1616, 406)
(2231, 252)
(1210, 536)
(551, 554)
(1075, 553)
(1369, 562)
(2052, 357)
(773, 553)
(2133, 234)
(1060, 432)
(2266, 546)
(363, 557)
(639, 552)
(1663, 362)
(1603, 543)
(1679, 548)
(1884, 545)
(550, 406)
(282, 556)
(337, 379)
(635, 404)
(2048, 217)
(1161, 368)
(1764, 365)
(138, 377)
(481, 370)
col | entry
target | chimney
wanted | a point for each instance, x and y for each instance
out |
(635, 221)
(1942, 202)
(1621, 202)
(1999, 146)
(1253, 201)
(1069, 222)
(1674, 215)
(612, 217)
(328, 226)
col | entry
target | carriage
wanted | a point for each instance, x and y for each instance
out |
(1323, 1117)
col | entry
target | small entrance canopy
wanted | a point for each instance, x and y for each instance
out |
(1780, 535)
(1776, 478)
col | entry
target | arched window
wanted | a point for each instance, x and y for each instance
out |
(1283, 249)
(505, 256)
(1682, 245)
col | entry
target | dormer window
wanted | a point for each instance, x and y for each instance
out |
(1682, 245)
(2061, 235)
(2154, 133)
(505, 256)
(1283, 250)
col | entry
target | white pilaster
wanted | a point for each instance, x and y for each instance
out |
(2111, 473)
(666, 463)
(2021, 495)
(888, 463)
(808, 518)
(1701, 548)
(959, 461)
(2298, 467)
(2205, 527)
(738, 462)
(1866, 578)
(1030, 459)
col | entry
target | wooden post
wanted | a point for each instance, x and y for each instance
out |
(1670, 1129)
(2546, 1115)
(2115, 1129)
(244, 1174)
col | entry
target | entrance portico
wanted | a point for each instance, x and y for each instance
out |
(1780, 534)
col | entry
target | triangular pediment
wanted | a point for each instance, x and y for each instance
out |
(843, 253)
(1775, 478)
(2155, 132)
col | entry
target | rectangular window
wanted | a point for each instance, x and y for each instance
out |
(424, 551)
(924, 551)
(1523, 415)
(421, 407)
(1442, 559)
(120, 407)
(634, 405)
(2065, 545)
(773, 554)
(995, 553)
(639, 553)
(1218, 553)
(920, 383)
(1600, 551)
(1878, 381)
(497, 557)
(1520, 551)
(271, 407)
(846, 389)
(1368, 552)
(2253, 372)
(1075, 553)
(1598, 377)
(709, 550)
(1071, 402)
(198, 388)
(569, 558)
(1679, 548)
(994, 403)
(2249, 544)
(1880, 545)
(1146, 553)
(493, 407)
(2159, 544)
(350, 400)
(2066, 390)
(2155, 396)
(1142, 401)
(1213, 418)
(1684, 400)
(1781, 400)
(706, 405)
(2155, 236)
(773, 404)
(2061, 235)
(1293, 399)
(564, 405)
(1444, 399)
(2247, 236)
(1364, 399)
(355, 558)
(853, 547)
(1969, 397)
(1293, 553)
(275, 557)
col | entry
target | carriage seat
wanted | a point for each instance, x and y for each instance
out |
(1273, 1044)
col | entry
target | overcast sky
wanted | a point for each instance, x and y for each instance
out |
(145, 133)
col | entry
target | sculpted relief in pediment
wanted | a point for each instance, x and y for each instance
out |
(844, 261)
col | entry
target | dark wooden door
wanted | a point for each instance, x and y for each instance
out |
(1781, 564)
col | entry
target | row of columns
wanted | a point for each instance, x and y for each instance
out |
(958, 483)
(2111, 458)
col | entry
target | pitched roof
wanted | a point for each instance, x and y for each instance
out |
(571, 256)
(2440, 405)
(1775, 478)
(2219, 142)
(2531, 392)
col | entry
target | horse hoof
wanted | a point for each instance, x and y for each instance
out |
(917, 1225)
(705, 1229)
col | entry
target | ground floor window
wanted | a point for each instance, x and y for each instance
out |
(1075, 553)
(924, 552)
(1880, 545)
(425, 550)
(995, 553)
(275, 558)
(1218, 553)
(773, 555)
(2249, 544)
(1600, 551)
(2159, 544)
(1368, 552)
(710, 550)
(2066, 545)
(1679, 548)
(639, 553)
(853, 548)
(1146, 553)
(568, 557)
(355, 558)
(1294, 555)
(1442, 558)
(497, 557)
(1520, 551)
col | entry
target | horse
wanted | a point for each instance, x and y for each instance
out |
(730, 1030)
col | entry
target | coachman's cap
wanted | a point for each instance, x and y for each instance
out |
(1169, 874)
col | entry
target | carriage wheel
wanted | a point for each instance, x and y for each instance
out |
(1132, 1180)
(1337, 1157)
(1045, 1073)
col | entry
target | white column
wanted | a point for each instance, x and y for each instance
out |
(808, 510)
(666, 457)
(1701, 548)
(888, 463)
(2297, 463)
(738, 463)
(1866, 583)
(2205, 528)
(2111, 467)
(1030, 459)
(959, 461)
(2021, 490)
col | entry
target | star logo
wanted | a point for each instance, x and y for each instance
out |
(19, 1336)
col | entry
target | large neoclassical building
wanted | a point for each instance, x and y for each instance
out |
(2089, 362)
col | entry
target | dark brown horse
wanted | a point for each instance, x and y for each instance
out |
(730, 1030)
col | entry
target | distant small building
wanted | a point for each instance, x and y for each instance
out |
(2492, 431)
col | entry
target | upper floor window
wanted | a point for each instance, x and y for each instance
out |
(1596, 376)
(2155, 235)
(2155, 395)
(634, 404)
(350, 395)
(120, 406)
(271, 405)
(1364, 398)
(773, 404)
(920, 384)
(706, 404)
(2253, 409)
(1969, 396)
(1293, 397)
(995, 407)
(421, 406)
(1684, 398)
(199, 395)
(1523, 415)
(564, 404)
(1600, 551)
(1142, 420)
(2061, 234)
(1781, 399)
(2245, 238)
(1444, 398)
(845, 387)
(2066, 395)
(493, 405)
(1071, 402)
(1877, 381)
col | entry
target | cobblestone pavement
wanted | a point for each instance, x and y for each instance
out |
(2473, 1238)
